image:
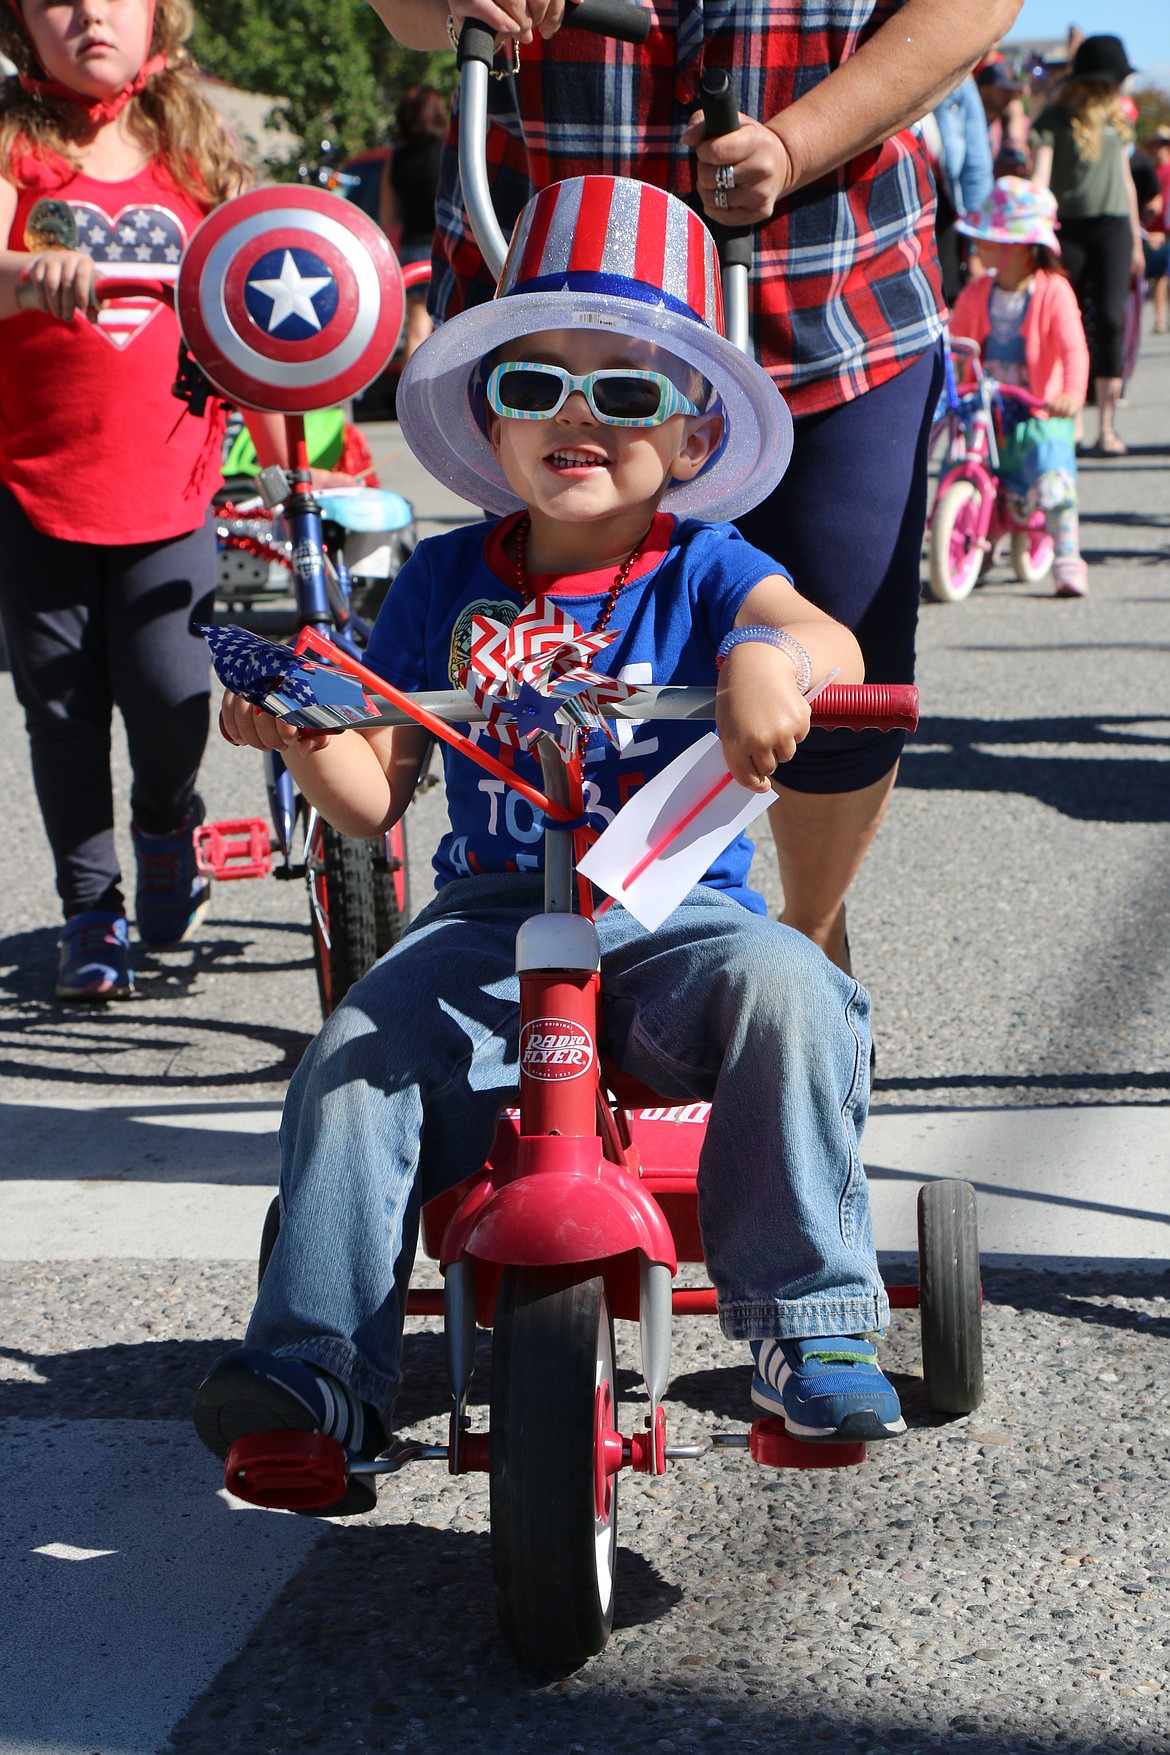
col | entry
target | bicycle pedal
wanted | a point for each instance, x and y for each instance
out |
(239, 847)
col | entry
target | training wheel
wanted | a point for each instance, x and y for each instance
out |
(770, 1445)
(287, 1471)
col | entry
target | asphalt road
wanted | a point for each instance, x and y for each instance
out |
(1000, 1583)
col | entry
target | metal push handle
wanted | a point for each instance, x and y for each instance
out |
(734, 242)
(477, 51)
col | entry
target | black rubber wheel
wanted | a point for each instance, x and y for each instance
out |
(950, 1298)
(554, 1546)
(391, 889)
(342, 910)
(268, 1236)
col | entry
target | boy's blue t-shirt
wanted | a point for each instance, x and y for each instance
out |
(680, 601)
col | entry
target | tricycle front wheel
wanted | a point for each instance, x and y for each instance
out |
(553, 1502)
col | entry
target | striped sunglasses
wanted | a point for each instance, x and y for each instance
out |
(619, 396)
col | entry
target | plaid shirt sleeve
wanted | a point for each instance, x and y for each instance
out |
(845, 284)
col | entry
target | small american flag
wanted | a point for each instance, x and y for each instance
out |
(301, 691)
(146, 241)
(253, 668)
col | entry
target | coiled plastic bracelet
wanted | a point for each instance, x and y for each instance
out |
(770, 637)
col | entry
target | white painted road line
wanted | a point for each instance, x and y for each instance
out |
(143, 1221)
(1078, 1182)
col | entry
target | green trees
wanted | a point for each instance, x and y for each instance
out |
(330, 66)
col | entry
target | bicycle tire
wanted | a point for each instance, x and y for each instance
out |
(342, 911)
(1033, 552)
(955, 559)
(391, 889)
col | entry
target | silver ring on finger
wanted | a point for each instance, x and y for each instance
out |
(725, 177)
(720, 198)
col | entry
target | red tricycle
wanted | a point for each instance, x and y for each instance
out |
(971, 509)
(581, 1215)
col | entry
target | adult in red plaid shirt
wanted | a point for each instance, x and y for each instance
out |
(846, 305)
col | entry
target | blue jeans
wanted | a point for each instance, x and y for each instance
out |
(398, 1098)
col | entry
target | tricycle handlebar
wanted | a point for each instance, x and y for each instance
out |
(840, 707)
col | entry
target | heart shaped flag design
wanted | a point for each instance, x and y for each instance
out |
(143, 239)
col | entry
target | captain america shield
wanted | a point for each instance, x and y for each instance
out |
(290, 299)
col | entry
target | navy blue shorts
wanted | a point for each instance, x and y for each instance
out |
(847, 522)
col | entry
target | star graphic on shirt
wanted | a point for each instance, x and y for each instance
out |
(292, 294)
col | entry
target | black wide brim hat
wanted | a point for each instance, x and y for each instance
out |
(1101, 59)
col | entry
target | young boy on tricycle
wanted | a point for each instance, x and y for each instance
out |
(596, 405)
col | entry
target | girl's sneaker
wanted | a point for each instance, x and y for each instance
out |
(93, 957)
(827, 1389)
(172, 892)
(1072, 577)
(248, 1391)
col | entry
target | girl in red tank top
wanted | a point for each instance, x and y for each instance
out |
(109, 158)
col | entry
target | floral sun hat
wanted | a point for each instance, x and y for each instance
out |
(1014, 212)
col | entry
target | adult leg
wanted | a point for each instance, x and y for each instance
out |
(1108, 241)
(52, 602)
(847, 523)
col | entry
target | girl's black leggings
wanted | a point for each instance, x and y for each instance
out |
(1098, 254)
(89, 628)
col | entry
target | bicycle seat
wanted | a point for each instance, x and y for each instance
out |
(365, 509)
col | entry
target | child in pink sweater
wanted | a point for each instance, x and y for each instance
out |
(1025, 319)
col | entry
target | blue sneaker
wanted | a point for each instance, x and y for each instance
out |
(93, 957)
(248, 1391)
(828, 1389)
(172, 892)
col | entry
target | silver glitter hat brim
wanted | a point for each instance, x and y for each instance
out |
(439, 402)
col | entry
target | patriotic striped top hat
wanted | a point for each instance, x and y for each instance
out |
(621, 258)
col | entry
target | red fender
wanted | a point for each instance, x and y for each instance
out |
(567, 1203)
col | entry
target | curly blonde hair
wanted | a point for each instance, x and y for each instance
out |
(170, 118)
(1094, 108)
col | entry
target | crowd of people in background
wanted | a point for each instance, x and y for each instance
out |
(1070, 127)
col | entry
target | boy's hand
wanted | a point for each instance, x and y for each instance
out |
(252, 728)
(760, 714)
(59, 282)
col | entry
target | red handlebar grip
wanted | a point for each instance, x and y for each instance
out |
(126, 287)
(867, 707)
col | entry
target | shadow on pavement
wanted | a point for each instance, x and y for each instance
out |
(981, 758)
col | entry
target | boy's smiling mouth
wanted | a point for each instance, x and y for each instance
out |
(572, 457)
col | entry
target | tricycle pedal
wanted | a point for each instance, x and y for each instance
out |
(770, 1444)
(287, 1471)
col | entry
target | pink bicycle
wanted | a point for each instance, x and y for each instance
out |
(971, 509)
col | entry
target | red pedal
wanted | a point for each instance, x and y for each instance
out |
(771, 1445)
(238, 848)
(287, 1471)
